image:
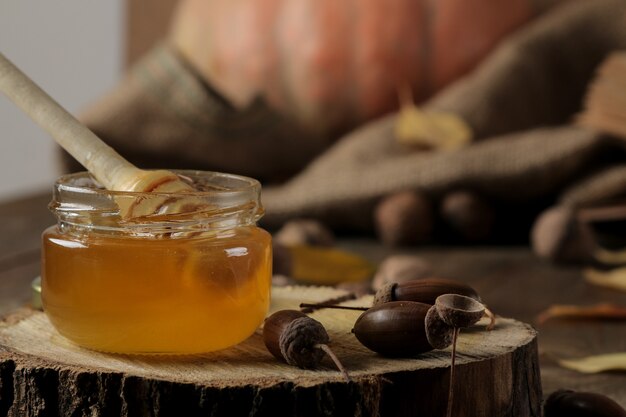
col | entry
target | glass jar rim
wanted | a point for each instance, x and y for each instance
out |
(222, 201)
(247, 185)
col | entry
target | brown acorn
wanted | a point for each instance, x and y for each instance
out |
(468, 215)
(304, 232)
(408, 328)
(396, 329)
(401, 268)
(404, 218)
(297, 339)
(426, 291)
(566, 403)
(559, 235)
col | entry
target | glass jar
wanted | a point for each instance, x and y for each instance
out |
(189, 282)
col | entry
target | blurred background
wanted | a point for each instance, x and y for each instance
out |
(73, 49)
(448, 113)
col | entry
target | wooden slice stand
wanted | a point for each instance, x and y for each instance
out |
(42, 374)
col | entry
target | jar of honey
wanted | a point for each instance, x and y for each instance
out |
(191, 280)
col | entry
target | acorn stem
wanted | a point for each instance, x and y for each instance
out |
(332, 301)
(492, 319)
(335, 359)
(334, 306)
(452, 366)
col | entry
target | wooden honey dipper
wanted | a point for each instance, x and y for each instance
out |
(108, 167)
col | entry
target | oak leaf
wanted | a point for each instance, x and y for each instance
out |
(429, 129)
(614, 278)
(328, 266)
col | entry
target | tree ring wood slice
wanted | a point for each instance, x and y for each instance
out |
(43, 374)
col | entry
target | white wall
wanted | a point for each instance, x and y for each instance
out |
(71, 48)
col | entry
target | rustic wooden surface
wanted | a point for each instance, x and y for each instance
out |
(510, 279)
(497, 374)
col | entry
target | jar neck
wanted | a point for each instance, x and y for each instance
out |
(80, 206)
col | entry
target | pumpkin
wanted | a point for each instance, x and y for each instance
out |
(334, 64)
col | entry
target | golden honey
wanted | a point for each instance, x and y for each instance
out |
(156, 287)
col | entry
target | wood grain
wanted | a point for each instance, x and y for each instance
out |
(497, 373)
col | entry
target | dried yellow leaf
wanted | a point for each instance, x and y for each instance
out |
(603, 311)
(328, 266)
(610, 257)
(437, 130)
(614, 278)
(597, 363)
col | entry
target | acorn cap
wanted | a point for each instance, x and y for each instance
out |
(298, 342)
(438, 332)
(458, 310)
(385, 294)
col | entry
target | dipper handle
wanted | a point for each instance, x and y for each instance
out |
(104, 163)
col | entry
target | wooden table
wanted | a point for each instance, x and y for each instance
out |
(510, 279)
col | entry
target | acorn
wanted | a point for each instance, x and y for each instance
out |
(567, 403)
(426, 291)
(408, 328)
(304, 232)
(404, 218)
(469, 216)
(401, 268)
(559, 236)
(396, 329)
(297, 339)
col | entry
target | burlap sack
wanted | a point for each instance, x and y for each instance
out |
(539, 75)
(163, 115)
(536, 78)
(519, 102)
